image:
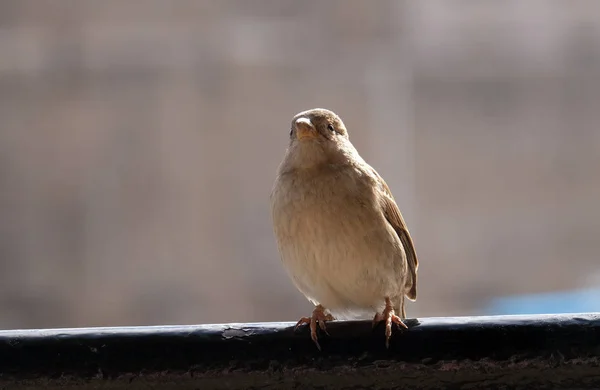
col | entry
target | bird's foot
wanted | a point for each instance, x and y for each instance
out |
(389, 317)
(318, 317)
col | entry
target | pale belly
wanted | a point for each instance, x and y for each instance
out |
(348, 266)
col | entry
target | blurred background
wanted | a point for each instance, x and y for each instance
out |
(139, 142)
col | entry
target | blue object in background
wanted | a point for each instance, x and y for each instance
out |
(573, 301)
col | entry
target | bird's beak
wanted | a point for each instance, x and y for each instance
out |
(305, 129)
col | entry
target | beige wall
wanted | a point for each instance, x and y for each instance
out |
(139, 142)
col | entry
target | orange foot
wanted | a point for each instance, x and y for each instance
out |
(318, 315)
(389, 317)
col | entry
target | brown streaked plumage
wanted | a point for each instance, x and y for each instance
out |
(340, 234)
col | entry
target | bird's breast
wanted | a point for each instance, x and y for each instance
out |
(333, 238)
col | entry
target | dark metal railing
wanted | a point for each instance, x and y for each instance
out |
(553, 351)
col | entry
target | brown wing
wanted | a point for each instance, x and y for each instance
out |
(394, 217)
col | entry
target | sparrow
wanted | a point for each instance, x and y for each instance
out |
(340, 235)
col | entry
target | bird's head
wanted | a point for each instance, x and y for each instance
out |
(318, 136)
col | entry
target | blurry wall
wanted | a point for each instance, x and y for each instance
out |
(139, 142)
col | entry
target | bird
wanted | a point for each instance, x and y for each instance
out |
(340, 234)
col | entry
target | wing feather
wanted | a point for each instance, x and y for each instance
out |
(394, 217)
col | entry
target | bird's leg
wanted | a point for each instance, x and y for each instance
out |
(390, 317)
(318, 316)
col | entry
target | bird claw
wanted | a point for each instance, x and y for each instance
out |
(318, 317)
(390, 318)
(302, 321)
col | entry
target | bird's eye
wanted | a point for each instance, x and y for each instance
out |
(330, 127)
